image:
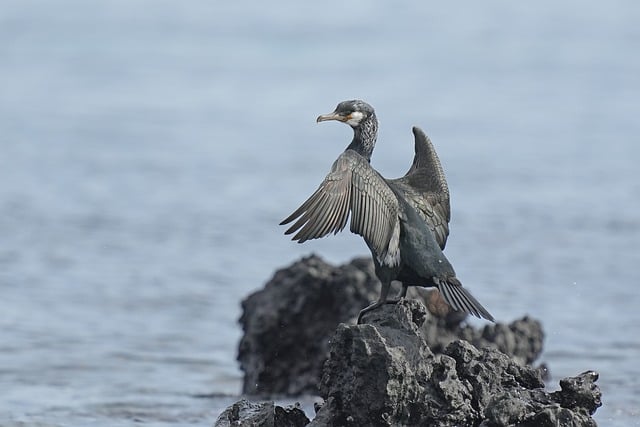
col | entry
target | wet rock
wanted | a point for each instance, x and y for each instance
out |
(383, 373)
(288, 324)
(263, 414)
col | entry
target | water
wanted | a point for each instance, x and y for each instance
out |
(150, 148)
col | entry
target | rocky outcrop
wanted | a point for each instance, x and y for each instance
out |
(287, 325)
(264, 414)
(521, 339)
(384, 374)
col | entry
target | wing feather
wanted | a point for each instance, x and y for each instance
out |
(343, 211)
(367, 214)
(351, 189)
(314, 209)
(425, 187)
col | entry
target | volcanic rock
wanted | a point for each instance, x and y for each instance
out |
(263, 414)
(287, 325)
(383, 374)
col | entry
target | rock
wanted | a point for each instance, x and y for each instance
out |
(287, 325)
(379, 374)
(291, 416)
(403, 366)
(522, 339)
(580, 392)
(383, 373)
(264, 414)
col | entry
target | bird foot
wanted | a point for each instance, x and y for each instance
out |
(368, 309)
(394, 300)
(376, 305)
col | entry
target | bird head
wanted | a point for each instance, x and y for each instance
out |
(352, 112)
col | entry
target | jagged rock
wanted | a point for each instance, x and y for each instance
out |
(383, 373)
(386, 372)
(572, 406)
(263, 414)
(288, 324)
(521, 339)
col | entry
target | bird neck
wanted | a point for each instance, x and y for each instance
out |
(364, 137)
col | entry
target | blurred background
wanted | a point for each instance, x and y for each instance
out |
(150, 148)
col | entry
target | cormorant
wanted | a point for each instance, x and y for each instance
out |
(404, 221)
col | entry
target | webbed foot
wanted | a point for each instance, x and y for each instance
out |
(376, 305)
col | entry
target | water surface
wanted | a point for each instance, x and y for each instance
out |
(150, 148)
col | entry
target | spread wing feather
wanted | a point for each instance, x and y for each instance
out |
(425, 187)
(352, 188)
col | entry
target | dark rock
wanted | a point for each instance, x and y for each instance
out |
(404, 366)
(383, 373)
(521, 339)
(263, 414)
(380, 379)
(580, 392)
(554, 415)
(245, 413)
(291, 416)
(288, 324)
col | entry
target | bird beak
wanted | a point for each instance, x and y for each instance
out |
(331, 116)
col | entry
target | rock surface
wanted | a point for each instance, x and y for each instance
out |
(521, 339)
(287, 325)
(384, 374)
(264, 414)
(404, 366)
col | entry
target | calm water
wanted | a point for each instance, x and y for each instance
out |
(149, 149)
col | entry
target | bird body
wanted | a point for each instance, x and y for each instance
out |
(403, 221)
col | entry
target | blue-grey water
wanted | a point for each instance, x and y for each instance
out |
(149, 149)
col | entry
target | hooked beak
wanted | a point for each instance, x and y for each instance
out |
(331, 116)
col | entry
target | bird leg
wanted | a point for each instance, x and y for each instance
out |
(384, 291)
(401, 295)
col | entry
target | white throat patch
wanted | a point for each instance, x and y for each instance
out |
(356, 118)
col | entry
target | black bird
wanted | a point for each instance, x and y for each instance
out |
(404, 221)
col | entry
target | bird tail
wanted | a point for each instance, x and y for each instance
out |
(461, 299)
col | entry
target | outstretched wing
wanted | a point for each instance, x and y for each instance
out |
(425, 187)
(354, 188)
